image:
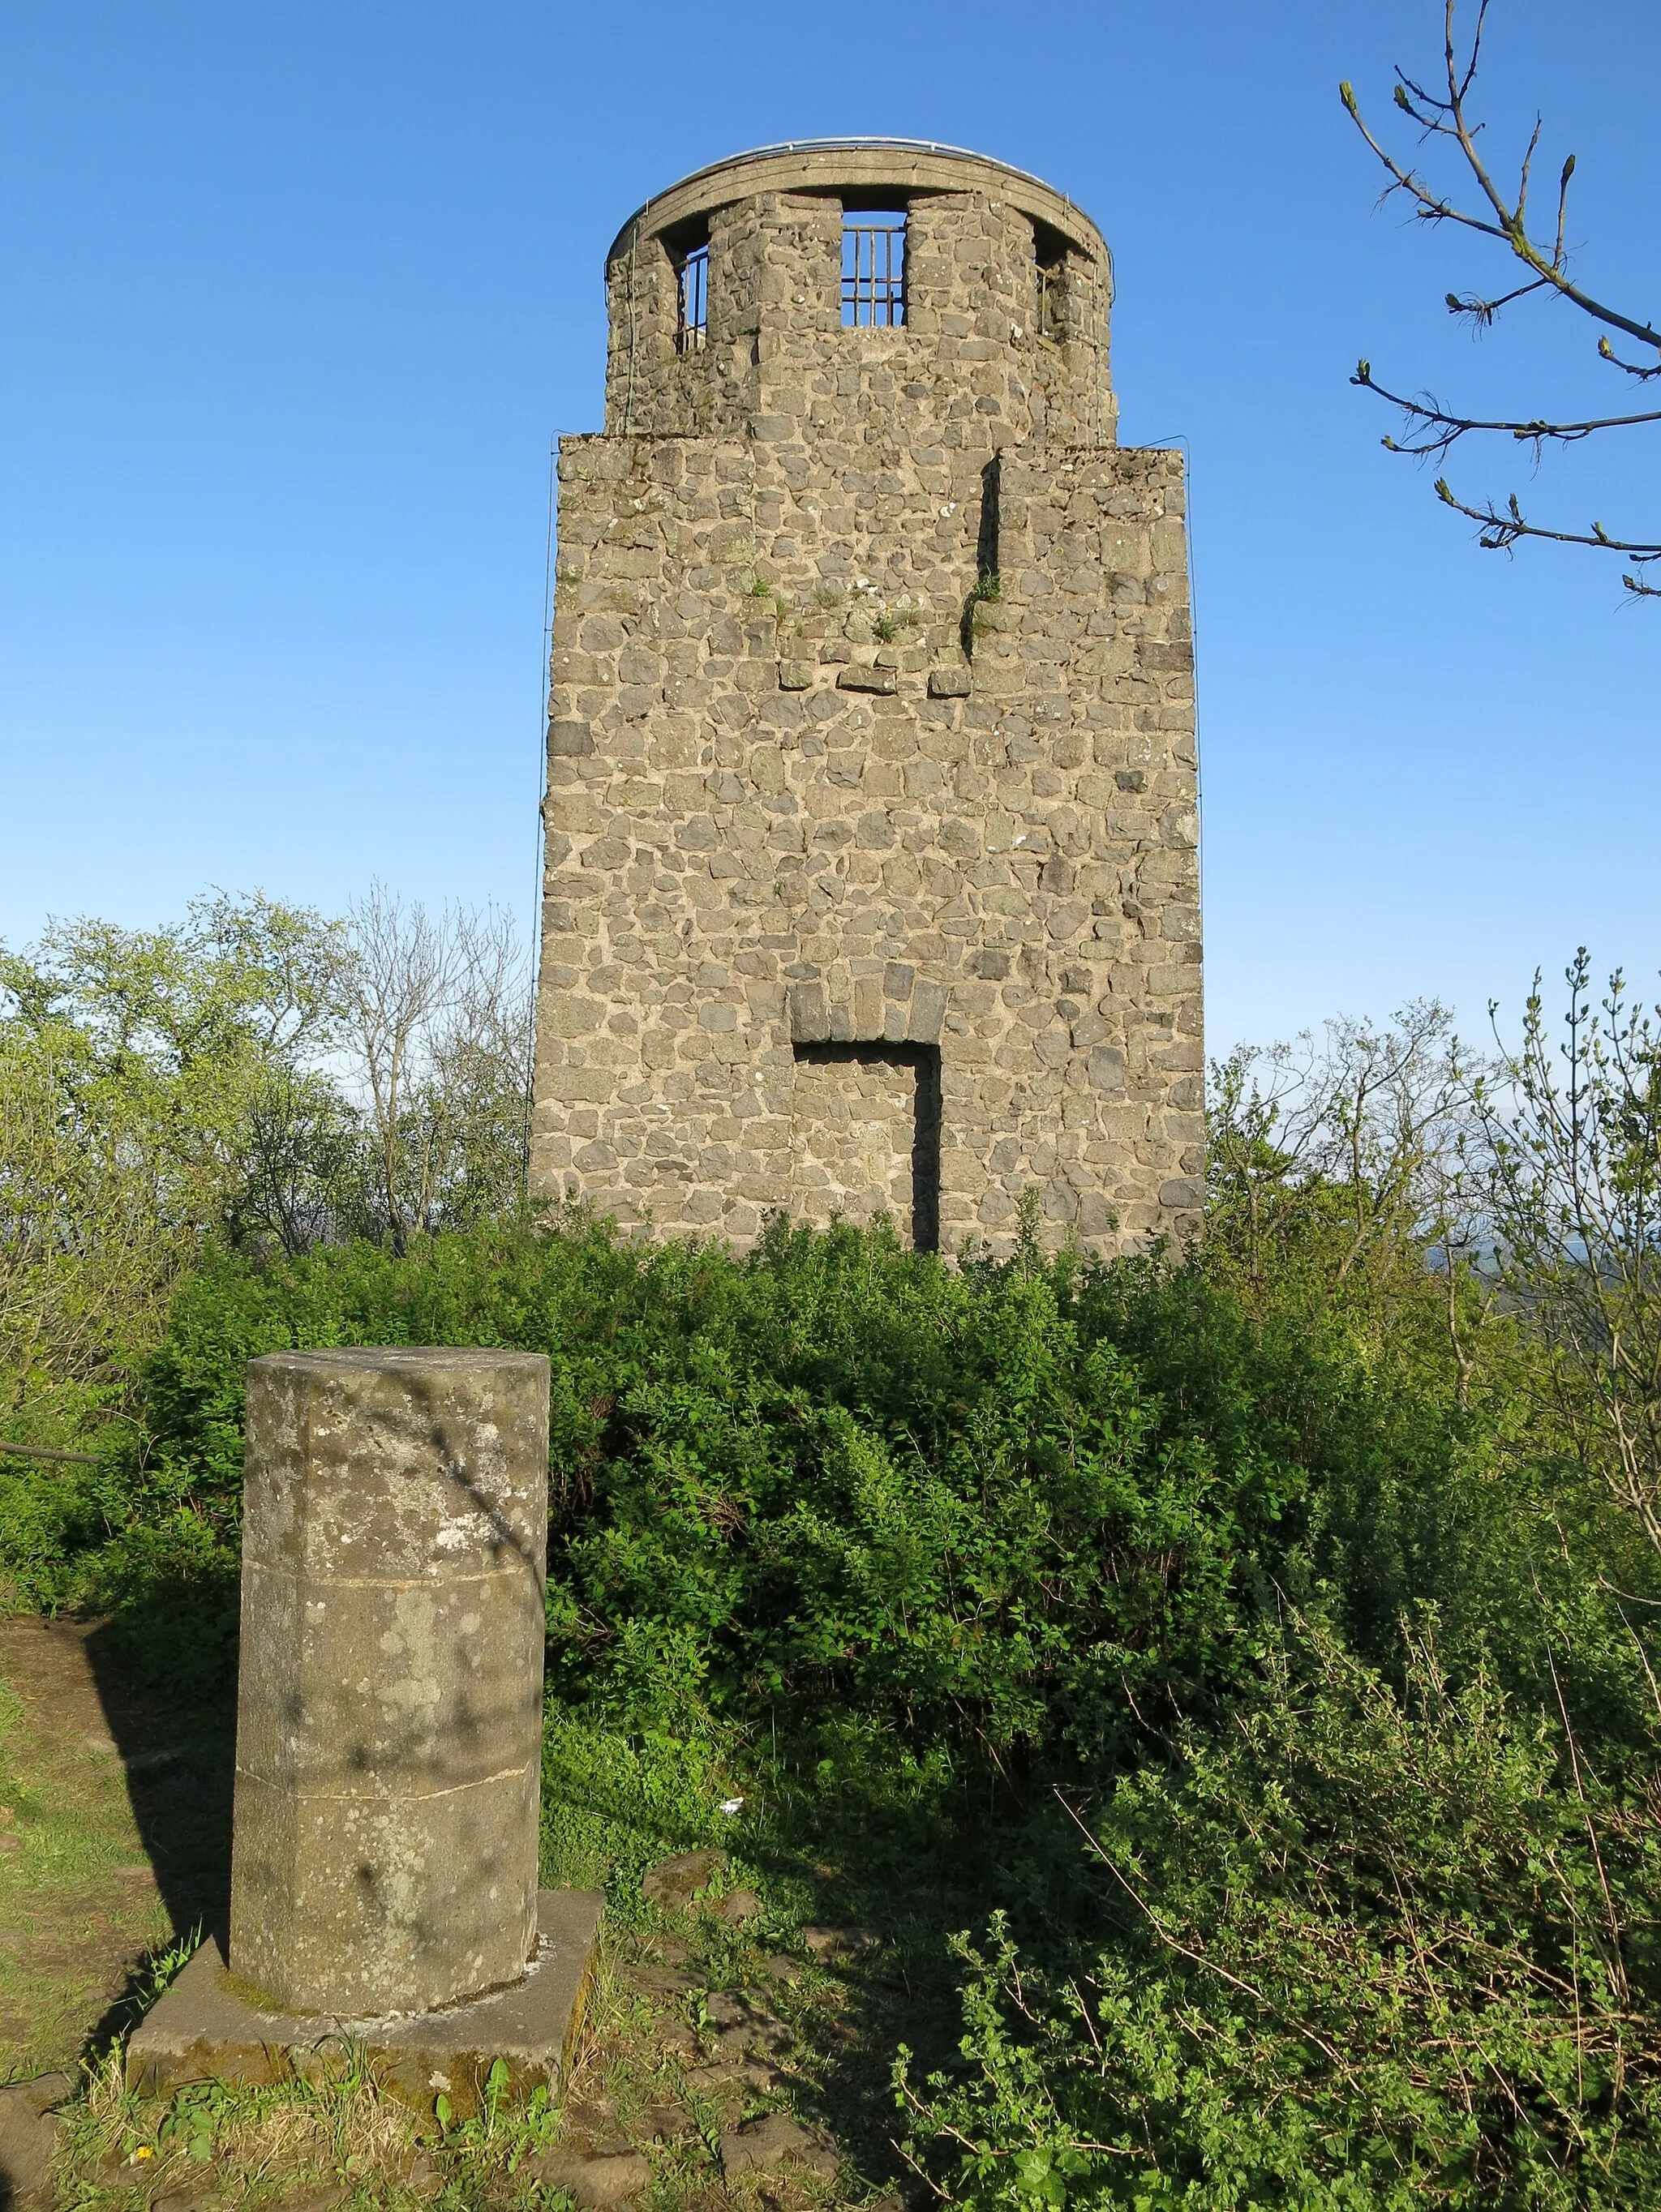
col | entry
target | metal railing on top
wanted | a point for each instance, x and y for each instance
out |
(1052, 321)
(873, 274)
(692, 301)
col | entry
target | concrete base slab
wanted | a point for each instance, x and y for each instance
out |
(207, 2028)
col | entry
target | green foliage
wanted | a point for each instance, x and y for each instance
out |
(833, 1477)
(1574, 1131)
(254, 1078)
(1365, 1949)
(1377, 1926)
(135, 1069)
(520, 2126)
(1236, 1634)
(630, 1775)
(193, 2117)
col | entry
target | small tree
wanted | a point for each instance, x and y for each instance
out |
(1575, 1137)
(135, 1068)
(1346, 1165)
(1358, 1130)
(256, 1075)
(438, 1038)
(1443, 117)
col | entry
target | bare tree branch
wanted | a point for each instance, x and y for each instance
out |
(439, 1027)
(1500, 532)
(1432, 428)
(1447, 429)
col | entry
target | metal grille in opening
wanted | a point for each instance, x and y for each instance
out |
(692, 300)
(873, 272)
(1052, 322)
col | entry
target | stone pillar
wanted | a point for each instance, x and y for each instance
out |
(389, 1722)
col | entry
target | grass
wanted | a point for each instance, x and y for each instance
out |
(647, 2077)
(335, 2134)
(337, 2140)
(79, 1906)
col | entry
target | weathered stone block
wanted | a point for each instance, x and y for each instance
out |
(927, 1013)
(29, 2123)
(390, 1696)
(206, 2027)
(809, 1017)
(1106, 1068)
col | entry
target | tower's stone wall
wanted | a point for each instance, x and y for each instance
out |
(867, 889)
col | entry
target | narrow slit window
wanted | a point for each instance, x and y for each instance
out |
(873, 271)
(692, 301)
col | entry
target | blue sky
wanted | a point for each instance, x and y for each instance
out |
(292, 297)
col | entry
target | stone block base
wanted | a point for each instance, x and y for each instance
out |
(207, 2028)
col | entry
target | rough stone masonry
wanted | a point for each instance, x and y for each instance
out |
(870, 828)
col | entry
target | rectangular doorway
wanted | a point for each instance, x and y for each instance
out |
(865, 1136)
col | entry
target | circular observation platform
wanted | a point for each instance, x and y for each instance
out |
(862, 172)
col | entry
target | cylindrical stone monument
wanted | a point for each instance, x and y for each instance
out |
(389, 1722)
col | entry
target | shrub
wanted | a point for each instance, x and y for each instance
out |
(844, 1476)
(1344, 1672)
(1360, 1948)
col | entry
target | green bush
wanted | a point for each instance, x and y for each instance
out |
(1277, 1692)
(1362, 1948)
(1025, 1507)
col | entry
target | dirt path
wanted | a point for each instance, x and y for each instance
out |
(114, 1830)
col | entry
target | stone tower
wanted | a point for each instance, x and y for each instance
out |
(872, 877)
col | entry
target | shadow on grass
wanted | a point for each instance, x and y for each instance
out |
(912, 1873)
(177, 1739)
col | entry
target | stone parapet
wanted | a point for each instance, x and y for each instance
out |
(1005, 316)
